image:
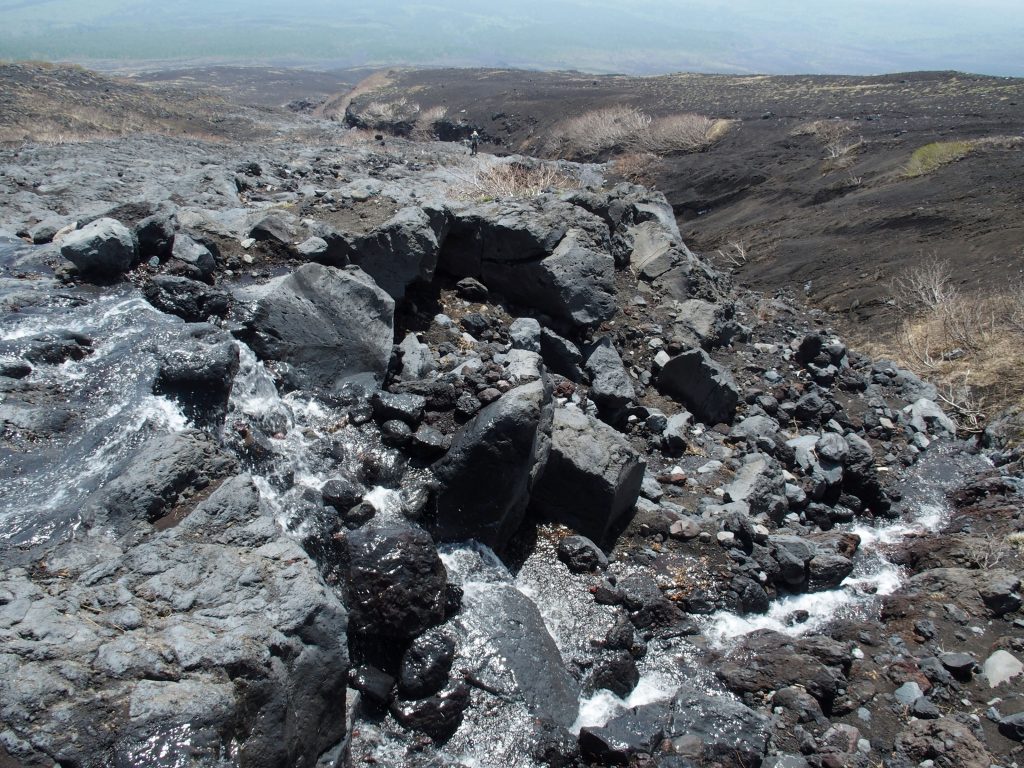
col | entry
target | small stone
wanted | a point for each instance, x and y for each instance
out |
(684, 529)
(925, 709)
(908, 693)
(961, 665)
(1001, 667)
(581, 554)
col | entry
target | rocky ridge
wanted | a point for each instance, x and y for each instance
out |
(335, 366)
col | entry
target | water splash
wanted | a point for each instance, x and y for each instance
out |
(874, 574)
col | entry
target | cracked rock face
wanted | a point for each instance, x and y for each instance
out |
(237, 650)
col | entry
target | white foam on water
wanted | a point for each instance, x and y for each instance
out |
(386, 501)
(602, 706)
(878, 577)
(161, 413)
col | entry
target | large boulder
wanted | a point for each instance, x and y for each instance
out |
(706, 324)
(575, 283)
(705, 387)
(994, 590)
(943, 743)
(394, 581)
(592, 478)
(191, 300)
(554, 257)
(105, 248)
(330, 325)
(399, 252)
(760, 484)
(708, 729)
(200, 373)
(610, 385)
(178, 645)
(819, 664)
(492, 466)
(513, 653)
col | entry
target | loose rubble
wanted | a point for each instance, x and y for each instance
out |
(353, 469)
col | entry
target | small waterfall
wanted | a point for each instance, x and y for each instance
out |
(874, 574)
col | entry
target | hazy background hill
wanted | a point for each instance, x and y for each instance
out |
(786, 36)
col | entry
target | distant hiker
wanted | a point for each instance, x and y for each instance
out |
(474, 142)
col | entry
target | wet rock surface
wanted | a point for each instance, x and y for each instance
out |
(259, 456)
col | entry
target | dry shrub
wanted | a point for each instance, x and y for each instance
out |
(514, 180)
(836, 139)
(628, 130)
(971, 346)
(598, 131)
(683, 133)
(637, 167)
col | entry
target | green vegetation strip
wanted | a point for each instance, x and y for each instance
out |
(931, 156)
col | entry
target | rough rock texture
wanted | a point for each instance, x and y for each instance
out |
(592, 477)
(488, 473)
(191, 300)
(515, 654)
(151, 481)
(555, 260)
(705, 387)
(105, 248)
(201, 375)
(185, 641)
(330, 325)
(394, 581)
(399, 252)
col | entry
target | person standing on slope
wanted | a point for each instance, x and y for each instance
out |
(474, 142)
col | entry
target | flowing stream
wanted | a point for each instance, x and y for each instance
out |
(105, 407)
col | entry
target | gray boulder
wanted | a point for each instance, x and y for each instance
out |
(553, 257)
(330, 325)
(760, 484)
(706, 388)
(398, 253)
(525, 333)
(610, 385)
(156, 235)
(514, 654)
(575, 283)
(190, 300)
(417, 359)
(561, 356)
(192, 258)
(592, 478)
(712, 728)
(149, 483)
(176, 646)
(105, 248)
(926, 417)
(492, 466)
(199, 374)
(705, 324)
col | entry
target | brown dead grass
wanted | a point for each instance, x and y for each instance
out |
(638, 168)
(512, 180)
(628, 130)
(58, 104)
(970, 346)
